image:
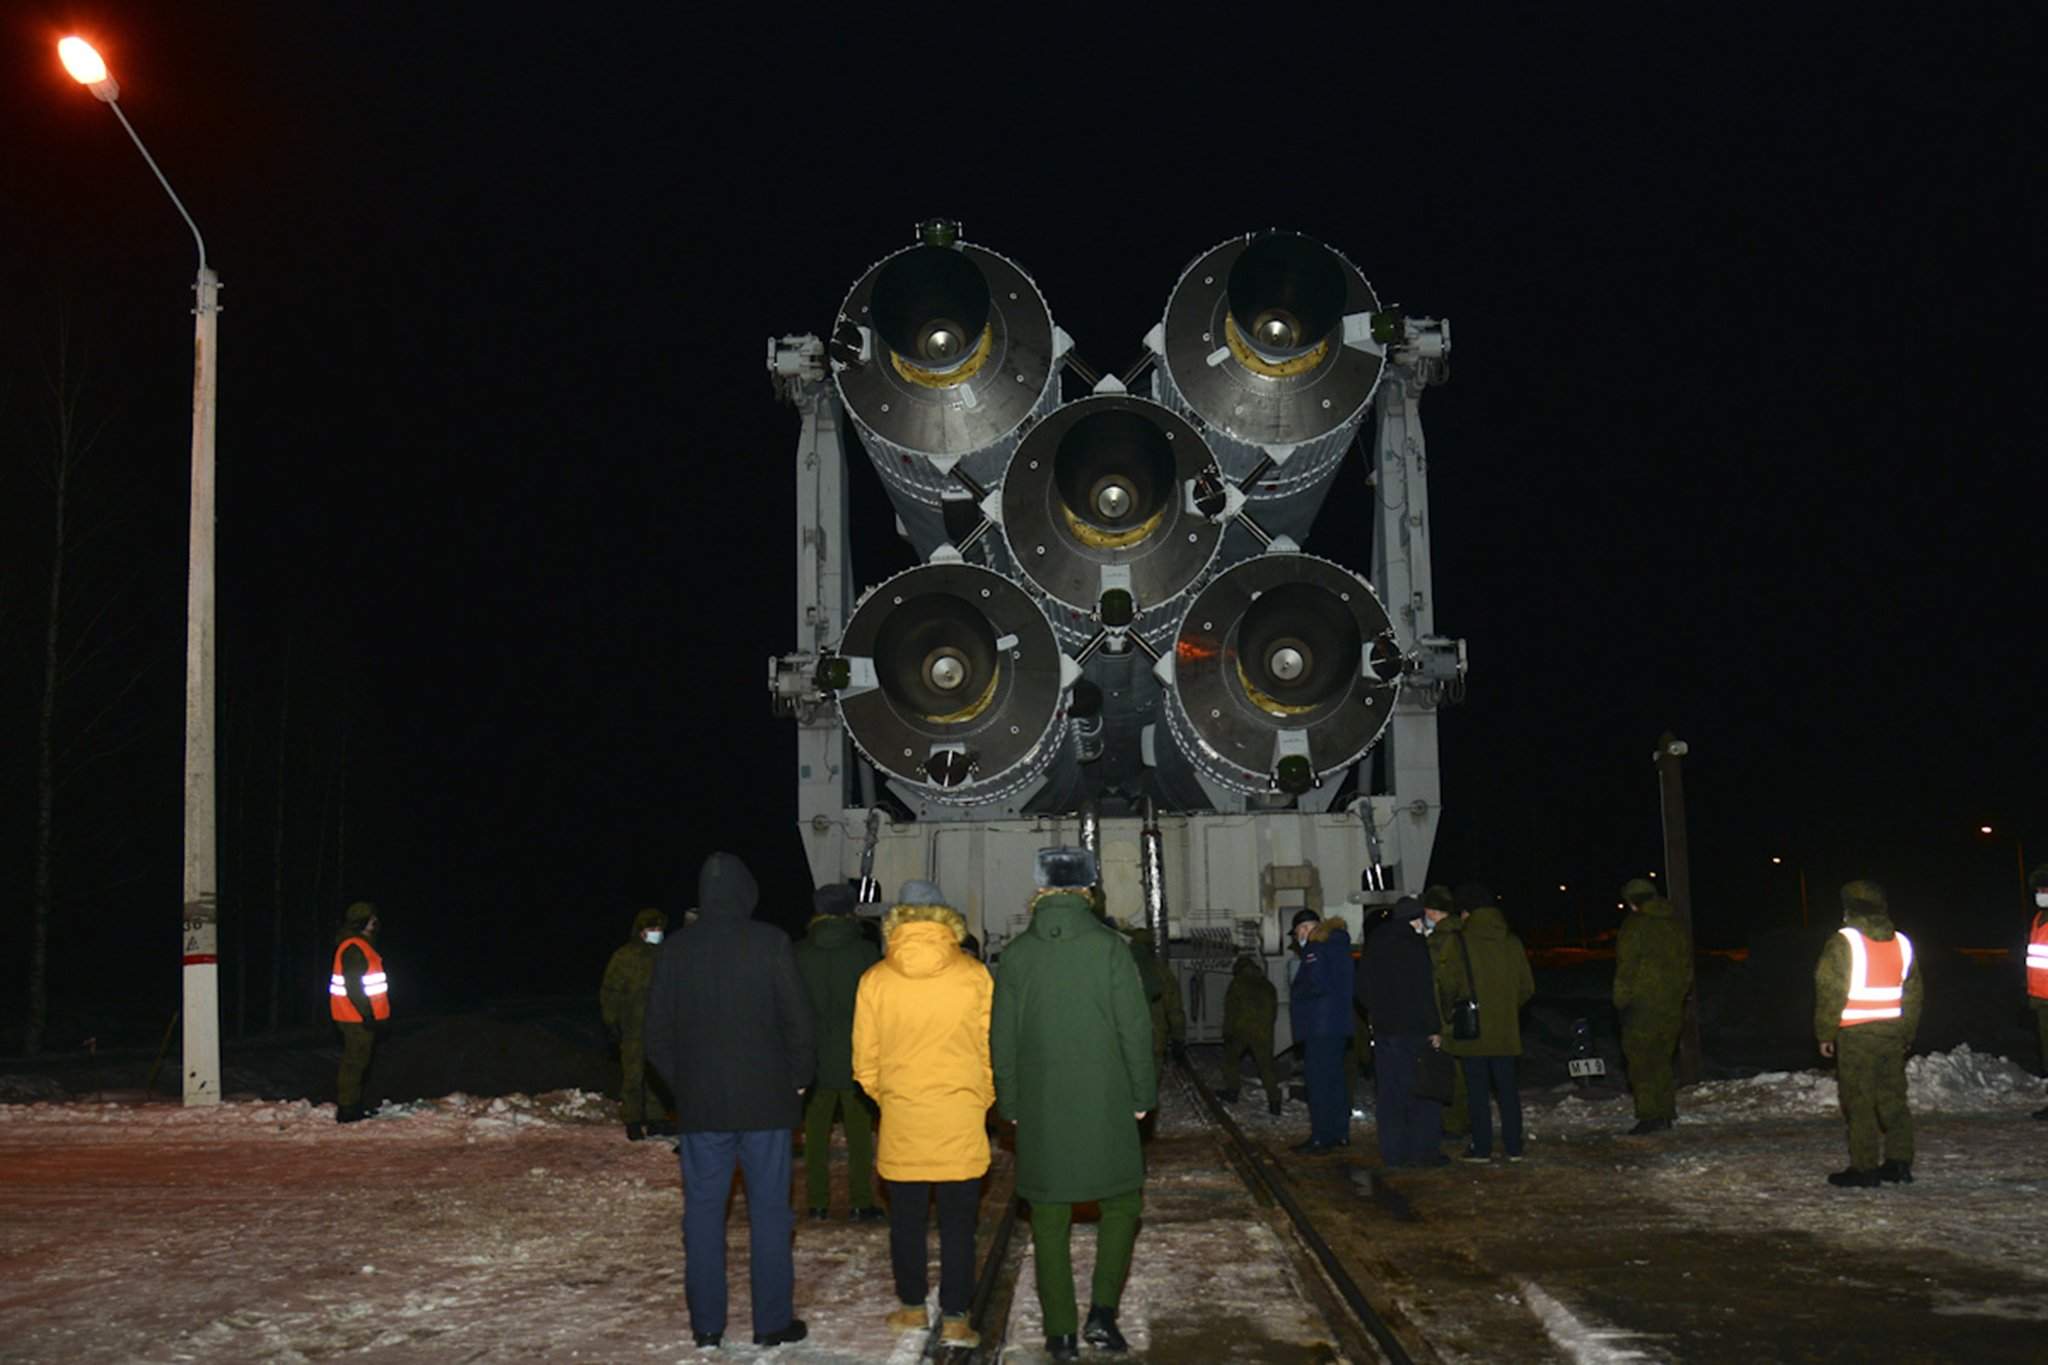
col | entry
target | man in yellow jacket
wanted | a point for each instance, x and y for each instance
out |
(920, 1050)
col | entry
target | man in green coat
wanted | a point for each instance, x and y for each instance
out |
(358, 997)
(1652, 977)
(1250, 1005)
(1867, 996)
(2037, 963)
(831, 959)
(1071, 1046)
(622, 1000)
(1483, 960)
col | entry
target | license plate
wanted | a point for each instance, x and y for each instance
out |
(1586, 1066)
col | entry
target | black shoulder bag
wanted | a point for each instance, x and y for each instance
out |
(1465, 1013)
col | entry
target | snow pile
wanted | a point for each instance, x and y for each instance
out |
(504, 1112)
(1963, 1081)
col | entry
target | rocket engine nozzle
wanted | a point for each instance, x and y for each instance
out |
(1285, 672)
(1099, 499)
(951, 681)
(1286, 295)
(930, 305)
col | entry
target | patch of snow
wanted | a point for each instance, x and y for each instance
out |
(1583, 1342)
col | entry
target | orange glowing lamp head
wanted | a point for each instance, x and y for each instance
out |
(84, 63)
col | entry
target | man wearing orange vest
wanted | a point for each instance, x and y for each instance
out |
(2037, 963)
(1867, 999)
(358, 997)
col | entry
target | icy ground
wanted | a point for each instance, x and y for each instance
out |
(526, 1228)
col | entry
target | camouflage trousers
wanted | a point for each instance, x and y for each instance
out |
(860, 1147)
(357, 1043)
(636, 1102)
(1647, 1047)
(1235, 1045)
(1871, 1073)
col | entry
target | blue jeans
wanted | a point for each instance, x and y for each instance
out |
(1488, 1079)
(1329, 1099)
(764, 1158)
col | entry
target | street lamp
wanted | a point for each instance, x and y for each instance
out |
(201, 917)
(2019, 850)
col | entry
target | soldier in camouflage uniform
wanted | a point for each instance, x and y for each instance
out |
(1439, 904)
(357, 968)
(1869, 1052)
(1250, 1006)
(622, 1000)
(1652, 976)
(1162, 994)
(834, 954)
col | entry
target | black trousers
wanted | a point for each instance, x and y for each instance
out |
(959, 1201)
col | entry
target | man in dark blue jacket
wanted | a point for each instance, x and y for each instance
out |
(729, 1029)
(1319, 1008)
(1397, 990)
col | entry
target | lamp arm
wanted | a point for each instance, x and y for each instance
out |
(178, 203)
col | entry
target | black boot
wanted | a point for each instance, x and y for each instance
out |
(1067, 1347)
(1644, 1127)
(1896, 1172)
(1227, 1096)
(1273, 1106)
(1100, 1329)
(635, 1132)
(347, 1113)
(1854, 1178)
(796, 1331)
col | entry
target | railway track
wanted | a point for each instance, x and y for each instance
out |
(1360, 1330)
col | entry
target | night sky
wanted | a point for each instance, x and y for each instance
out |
(1740, 439)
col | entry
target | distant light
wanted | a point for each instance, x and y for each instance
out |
(1562, 887)
(1653, 874)
(82, 61)
(1984, 829)
(1775, 860)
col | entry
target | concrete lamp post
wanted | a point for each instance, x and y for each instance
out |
(201, 912)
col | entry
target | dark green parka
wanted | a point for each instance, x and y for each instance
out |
(830, 960)
(1504, 983)
(1831, 982)
(622, 996)
(1652, 965)
(1251, 1003)
(1071, 1043)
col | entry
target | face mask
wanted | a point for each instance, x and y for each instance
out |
(651, 935)
(2041, 899)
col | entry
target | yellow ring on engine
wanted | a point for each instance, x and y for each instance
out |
(1095, 538)
(975, 707)
(1270, 705)
(1257, 364)
(946, 379)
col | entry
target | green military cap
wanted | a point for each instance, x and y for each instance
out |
(2038, 878)
(650, 918)
(1439, 898)
(362, 912)
(1636, 890)
(1862, 893)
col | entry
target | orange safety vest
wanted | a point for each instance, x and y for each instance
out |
(2037, 959)
(1877, 977)
(374, 985)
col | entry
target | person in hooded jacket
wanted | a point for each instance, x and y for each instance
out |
(831, 959)
(1867, 998)
(921, 1048)
(1319, 1008)
(1397, 990)
(1652, 976)
(622, 1000)
(1483, 960)
(1439, 903)
(1250, 1007)
(1071, 1045)
(729, 1029)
